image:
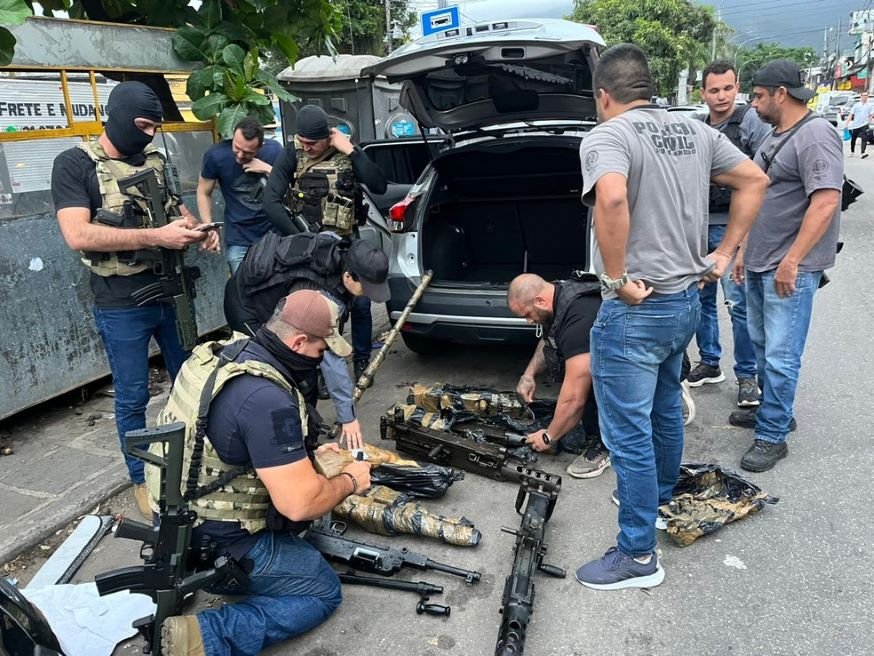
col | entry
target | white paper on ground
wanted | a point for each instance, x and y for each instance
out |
(85, 623)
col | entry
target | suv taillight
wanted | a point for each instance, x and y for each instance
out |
(398, 213)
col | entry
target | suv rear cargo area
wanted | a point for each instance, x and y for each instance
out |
(500, 209)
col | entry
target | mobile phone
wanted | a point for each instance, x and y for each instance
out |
(206, 227)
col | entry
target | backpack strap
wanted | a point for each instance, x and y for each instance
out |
(792, 131)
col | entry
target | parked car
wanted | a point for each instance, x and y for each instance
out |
(501, 194)
(696, 110)
(835, 100)
(846, 109)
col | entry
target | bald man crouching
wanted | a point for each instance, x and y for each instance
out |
(565, 310)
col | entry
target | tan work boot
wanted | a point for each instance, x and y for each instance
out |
(141, 496)
(180, 636)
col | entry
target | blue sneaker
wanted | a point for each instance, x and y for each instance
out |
(616, 570)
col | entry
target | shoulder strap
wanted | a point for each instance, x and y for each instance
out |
(792, 131)
(228, 354)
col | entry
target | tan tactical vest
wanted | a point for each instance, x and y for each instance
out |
(338, 211)
(244, 499)
(109, 172)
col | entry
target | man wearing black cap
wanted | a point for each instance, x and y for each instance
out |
(84, 180)
(276, 266)
(793, 240)
(321, 173)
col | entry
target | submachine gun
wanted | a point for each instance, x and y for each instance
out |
(175, 280)
(173, 570)
(517, 603)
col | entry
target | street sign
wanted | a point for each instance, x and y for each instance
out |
(438, 20)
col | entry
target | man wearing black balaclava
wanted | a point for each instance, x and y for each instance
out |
(84, 180)
(322, 173)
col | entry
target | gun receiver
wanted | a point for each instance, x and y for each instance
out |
(517, 604)
(168, 575)
(453, 450)
(374, 559)
(176, 281)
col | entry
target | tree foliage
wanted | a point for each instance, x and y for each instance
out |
(749, 60)
(362, 25)
(674, 33)
(227, 37)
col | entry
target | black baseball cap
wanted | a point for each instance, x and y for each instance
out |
(370, 266)
(783, 73)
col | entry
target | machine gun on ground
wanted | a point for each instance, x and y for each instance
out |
(170, 573)
(453, 450)
(329, 541)
(517, 603)
(175, 280)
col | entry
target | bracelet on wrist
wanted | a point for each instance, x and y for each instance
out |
(351, 478)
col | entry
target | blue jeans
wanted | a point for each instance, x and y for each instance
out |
(234, 255)
(291, 590)
(707, 335)
(778, 328)
(362, 328)
(126, 333)
(637, 353)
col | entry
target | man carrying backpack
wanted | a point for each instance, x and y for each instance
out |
(277, 266)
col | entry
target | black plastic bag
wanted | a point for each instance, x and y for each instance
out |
(427, 481)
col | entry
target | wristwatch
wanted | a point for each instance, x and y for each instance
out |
(546, 438)
(609, 284)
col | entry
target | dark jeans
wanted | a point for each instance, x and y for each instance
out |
(291, 590)
(126, 333)
(859, 133)
(362, 328)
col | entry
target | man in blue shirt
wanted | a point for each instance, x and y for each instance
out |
(860, 117)
(240, 165)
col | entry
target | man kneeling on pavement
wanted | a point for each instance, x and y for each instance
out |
(565, 311)
(260, 434)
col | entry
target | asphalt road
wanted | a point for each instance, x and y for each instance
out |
(793, 580)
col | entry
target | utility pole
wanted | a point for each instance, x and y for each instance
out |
(442, 4)
(715, 29)
(388, 25)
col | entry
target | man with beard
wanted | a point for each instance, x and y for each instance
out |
(85, 180)
(565, 311)
(646, 174)
(321, 172)
(792, 242)
(240, 166)
(257, 488)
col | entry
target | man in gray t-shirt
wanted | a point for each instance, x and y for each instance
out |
(647, 174)
(793, 240)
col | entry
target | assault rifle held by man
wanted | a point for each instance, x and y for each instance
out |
(173, 570)
(517, 604)
(176, 281)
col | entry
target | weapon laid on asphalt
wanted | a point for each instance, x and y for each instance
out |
(366, 378)
(385, 561)
(421, 588)
(175, 280)
(169, 574)
(517, 603)
(450, 449)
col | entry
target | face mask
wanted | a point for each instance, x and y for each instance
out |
(127, 102)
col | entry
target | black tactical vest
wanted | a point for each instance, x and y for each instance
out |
(566, 292)
(720, 197)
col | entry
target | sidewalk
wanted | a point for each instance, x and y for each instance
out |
(66, 461)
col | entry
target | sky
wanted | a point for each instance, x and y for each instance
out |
(790, 22)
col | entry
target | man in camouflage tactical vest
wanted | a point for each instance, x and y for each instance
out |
(320, 175)
(85, 181)
(257, 488)
(564, 311)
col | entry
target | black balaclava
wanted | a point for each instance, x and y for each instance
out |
(129, 101)
(312, 123)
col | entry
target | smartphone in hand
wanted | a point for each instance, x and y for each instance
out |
(206, 227)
